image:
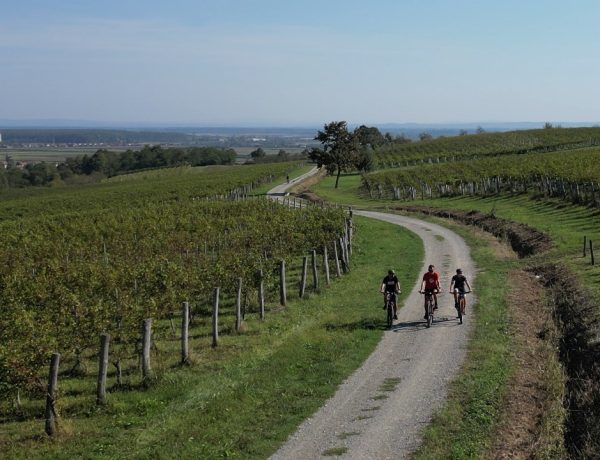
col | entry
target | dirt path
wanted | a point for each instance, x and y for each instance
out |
(380, 410)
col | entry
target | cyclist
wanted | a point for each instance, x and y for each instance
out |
(458, 285)
(430, 283)
(390, 284)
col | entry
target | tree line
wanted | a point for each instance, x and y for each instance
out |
(105, 163)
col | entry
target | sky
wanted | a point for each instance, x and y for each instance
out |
(277, 62)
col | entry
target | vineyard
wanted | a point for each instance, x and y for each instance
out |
(443, 150)
(572, 175)
(75, 265)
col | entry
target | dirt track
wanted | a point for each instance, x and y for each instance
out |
(411, 367)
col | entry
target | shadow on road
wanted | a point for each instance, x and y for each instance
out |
(415, 326)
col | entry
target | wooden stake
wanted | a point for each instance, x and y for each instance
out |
(102, 369)
(261, 294)
(146, 341)
(215, 317)
(51, 414)
(238, 306)
(326, 265)
(282, 286)
(303, 276)
(314, 270)
(185, 329)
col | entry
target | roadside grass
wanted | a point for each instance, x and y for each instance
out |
(243, 398)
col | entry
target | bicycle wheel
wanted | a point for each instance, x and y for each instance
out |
(459, 311)
(429, 312)
(390, 314)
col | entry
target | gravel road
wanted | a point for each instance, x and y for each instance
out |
(381, 409)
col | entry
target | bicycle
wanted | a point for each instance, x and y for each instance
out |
(390, 307)
(460, 304)
(429, 304)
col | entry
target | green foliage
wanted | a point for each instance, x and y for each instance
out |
(484, 144)
(75, 265)
(574, 174)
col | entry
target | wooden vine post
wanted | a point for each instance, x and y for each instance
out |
(584, 245)
(102, 369)
(303, 276)
(326, 265)
(592, 252)
(238, 306)
(215, 317)
(51, 414)
(336, 257)
(261, 293)
(282, 286)
(146, 341)
(314, 270)
(185, 329)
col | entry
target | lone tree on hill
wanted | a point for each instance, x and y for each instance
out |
(339, 149)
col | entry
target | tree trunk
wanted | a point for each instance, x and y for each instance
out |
(337, 179)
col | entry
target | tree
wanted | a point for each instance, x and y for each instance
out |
(425, 136)
(369, 137)
(480, 130)
(258, 153)
(339, 148)
(463, 132)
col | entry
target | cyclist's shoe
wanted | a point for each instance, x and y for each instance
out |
(395, 316)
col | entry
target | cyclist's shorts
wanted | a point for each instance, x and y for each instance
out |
(429, 291)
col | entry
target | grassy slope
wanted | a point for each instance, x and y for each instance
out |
(464, 428)
(245, 397)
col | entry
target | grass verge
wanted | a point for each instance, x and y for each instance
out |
(242, 399)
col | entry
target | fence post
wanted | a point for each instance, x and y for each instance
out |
(102, 369)
(336, 257)
(326, 265)
(261, 294)
(185, 328)
(238, 306)
(215, 317)
(303, 276)
(584, 245)
(314, 270)
(146, 340)
(344, 255)
(592, 252)
(282, 287)
(348, 235)
(51, 414)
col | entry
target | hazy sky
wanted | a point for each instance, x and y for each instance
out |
(293, 62)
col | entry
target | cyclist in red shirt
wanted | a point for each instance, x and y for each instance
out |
(431, 283)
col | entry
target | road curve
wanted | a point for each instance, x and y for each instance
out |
(412, 366)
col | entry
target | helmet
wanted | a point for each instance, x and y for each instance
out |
(391, 272)
(459, 270)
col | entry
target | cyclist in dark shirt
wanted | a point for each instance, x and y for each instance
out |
(390, 284)
(458, 285)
